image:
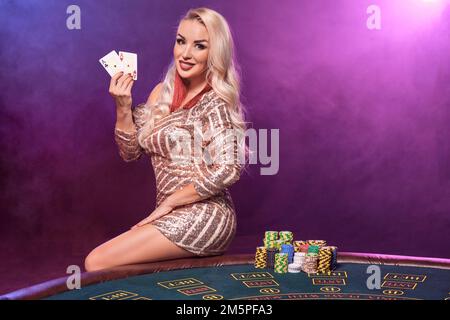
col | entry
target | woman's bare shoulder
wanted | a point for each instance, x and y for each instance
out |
(154, 95)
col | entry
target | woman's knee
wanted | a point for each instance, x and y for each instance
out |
(94, 261)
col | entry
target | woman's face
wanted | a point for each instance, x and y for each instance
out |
(191, 49)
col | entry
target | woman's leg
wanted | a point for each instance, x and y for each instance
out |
(139, 245)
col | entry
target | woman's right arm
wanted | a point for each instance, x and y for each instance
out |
(125, 132)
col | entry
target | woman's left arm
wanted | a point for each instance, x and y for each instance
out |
(223, 149)
(180, 197)
(225, 167)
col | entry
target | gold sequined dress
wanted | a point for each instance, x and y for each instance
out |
(208, 226)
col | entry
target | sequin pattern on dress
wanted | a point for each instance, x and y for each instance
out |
(207, 226)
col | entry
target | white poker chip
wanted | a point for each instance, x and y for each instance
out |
(294, 268)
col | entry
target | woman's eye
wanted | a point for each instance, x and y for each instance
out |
(198, 45)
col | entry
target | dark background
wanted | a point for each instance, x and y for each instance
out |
(364, 120)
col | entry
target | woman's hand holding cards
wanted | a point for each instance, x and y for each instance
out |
(120, 89)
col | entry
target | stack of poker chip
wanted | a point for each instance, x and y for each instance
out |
(281, 263)
(271, 257)
(303, 248)
(299, 258)
(261, 257)
(313, 249)
(286, 237)
(297, 245)
(278, 244)
(270, 244)
(294, 268)
(334, 258)
(289, 249)
(310, 263)
(270, 238)
(283, 254)
(271, 235)
(325, 258)
(320, 243)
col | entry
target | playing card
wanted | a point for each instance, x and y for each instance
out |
(111, 63)
(129, 63)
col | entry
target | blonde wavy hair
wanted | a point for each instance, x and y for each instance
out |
(222, 75)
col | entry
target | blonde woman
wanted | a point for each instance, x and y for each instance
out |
(194, 215)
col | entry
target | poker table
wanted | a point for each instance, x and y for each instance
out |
(234, 277)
